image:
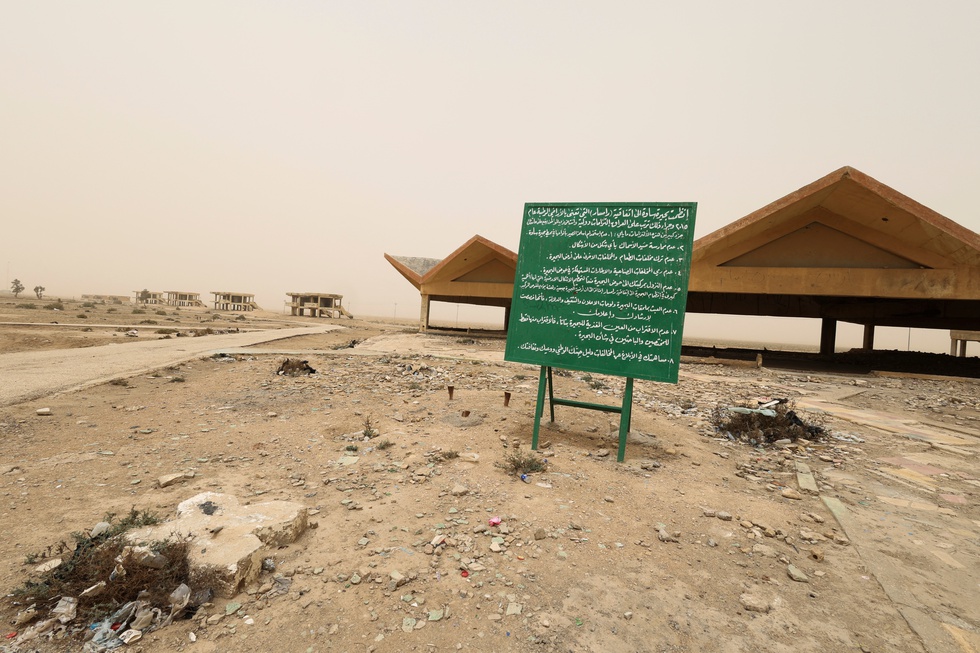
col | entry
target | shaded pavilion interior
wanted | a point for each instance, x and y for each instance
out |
(845, 248)
(479, 272)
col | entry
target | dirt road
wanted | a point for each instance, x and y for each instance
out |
(28, 375)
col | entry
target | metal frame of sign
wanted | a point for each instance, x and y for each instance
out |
(625, 411)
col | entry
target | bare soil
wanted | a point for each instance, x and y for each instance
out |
(589, 555)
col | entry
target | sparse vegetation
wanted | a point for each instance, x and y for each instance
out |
(93, 559)
(16, 287)
(522, 463)
(166, 331)
(139, 311)
(369, 430)
(119, 382)
(39, 291)
(88, 305)
(149, 322)
(385, 444)
(240, 318)
(757, 428)
(177, 379)
(27, 305)
(160, 312)
(54, 306)
(82, 316)
(351, 447)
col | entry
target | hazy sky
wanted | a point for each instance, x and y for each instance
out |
(268, 147)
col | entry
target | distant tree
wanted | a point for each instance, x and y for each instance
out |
(16, 287)
(39, 291)
(144, 296)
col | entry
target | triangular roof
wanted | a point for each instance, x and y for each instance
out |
(845, 234)
(479, 272)
(863, 213)
(476, 255)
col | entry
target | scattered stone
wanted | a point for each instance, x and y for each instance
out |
(816, 554)
(753, 603)
(460, 490)
(408, 624)
(724, 516)
(608, 499)
(540, 534)
(514, 608)
(435, 615)
(43, 411)
(170, 479)
(601, 453)
(790, 493)
(793, 572)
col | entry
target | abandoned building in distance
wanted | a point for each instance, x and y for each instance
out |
(234, 301)
(184, 299)
(317, 304)
(150, 297)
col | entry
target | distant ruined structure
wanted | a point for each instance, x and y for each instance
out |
(183, 299)
(317, 304)
(234, 301)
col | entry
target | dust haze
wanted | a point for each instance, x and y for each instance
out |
(268, 148)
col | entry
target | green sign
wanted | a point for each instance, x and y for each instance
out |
(602, 288)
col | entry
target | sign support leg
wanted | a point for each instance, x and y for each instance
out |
(624, 418)
(539, 407)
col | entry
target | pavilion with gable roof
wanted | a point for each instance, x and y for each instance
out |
(843, 248)
(479, 272)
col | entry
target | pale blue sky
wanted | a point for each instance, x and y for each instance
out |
(275, 146)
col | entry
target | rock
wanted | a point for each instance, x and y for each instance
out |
(54, 563)
(753, 603)
(540, 534)
(724, 516)
(664, 536)
(408, 624)
(460, 490)
(708, 512)
(169, 479)
(601, 453)
(627, 616)
(608, 499)
(514, 608)
(790, 493)
(43, 411)
(435, 615)
(100, 528)
(816, 554)
(247, 534)
(793, 572)
(763, 550)
(397, 578)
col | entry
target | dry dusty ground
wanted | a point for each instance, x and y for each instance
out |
(578, 562)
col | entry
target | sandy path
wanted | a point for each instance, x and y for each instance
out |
(32, 374)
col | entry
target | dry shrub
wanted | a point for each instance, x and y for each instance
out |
(757, 428)
(94, 559)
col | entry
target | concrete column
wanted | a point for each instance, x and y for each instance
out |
(962, 353)
(953, 342)
(424, 314)
(869, 336)
(828, 336)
